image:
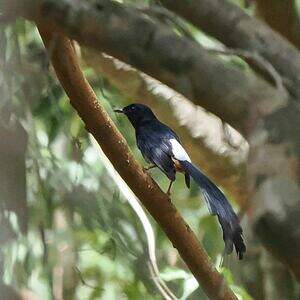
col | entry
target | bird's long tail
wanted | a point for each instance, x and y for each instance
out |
(219, 205)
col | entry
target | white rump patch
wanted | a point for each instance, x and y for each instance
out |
(178, 151)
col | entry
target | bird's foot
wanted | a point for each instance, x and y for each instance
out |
(169, 189)
(146, 169)
(169, 196)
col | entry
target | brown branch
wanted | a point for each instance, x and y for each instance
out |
(236, 29)
(183, 65)
(283, 17)
(99, 124)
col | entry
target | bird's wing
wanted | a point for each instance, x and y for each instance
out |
(156, 149)
(159, 144)
(172, 142)
(178, 151)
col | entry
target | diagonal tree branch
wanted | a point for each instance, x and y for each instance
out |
(185, 66)
(98, 123)
(236, 29)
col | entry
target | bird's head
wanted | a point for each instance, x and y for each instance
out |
(137, 113)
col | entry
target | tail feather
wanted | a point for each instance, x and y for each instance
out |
(219, 205)
(187, 180)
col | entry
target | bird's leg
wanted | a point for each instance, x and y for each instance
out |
(169, 188)
(149, 168)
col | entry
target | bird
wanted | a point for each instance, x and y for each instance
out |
(161, 147)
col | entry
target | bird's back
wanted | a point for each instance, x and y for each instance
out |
(155, 131)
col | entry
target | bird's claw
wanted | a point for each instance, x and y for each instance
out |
(146, 169)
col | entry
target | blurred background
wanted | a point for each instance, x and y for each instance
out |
(67, 230)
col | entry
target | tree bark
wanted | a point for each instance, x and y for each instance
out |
(283, 17)
(233, 27)
(181, 64)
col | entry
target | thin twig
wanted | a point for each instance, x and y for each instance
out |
(167, 17)
(83, 280)
(259, 62)
(160, 284)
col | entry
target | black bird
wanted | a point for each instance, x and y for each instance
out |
(160, 146)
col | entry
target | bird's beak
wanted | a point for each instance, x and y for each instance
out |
(120, 111)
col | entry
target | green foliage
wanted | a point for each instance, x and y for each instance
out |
(83, 240)
(239, 291)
